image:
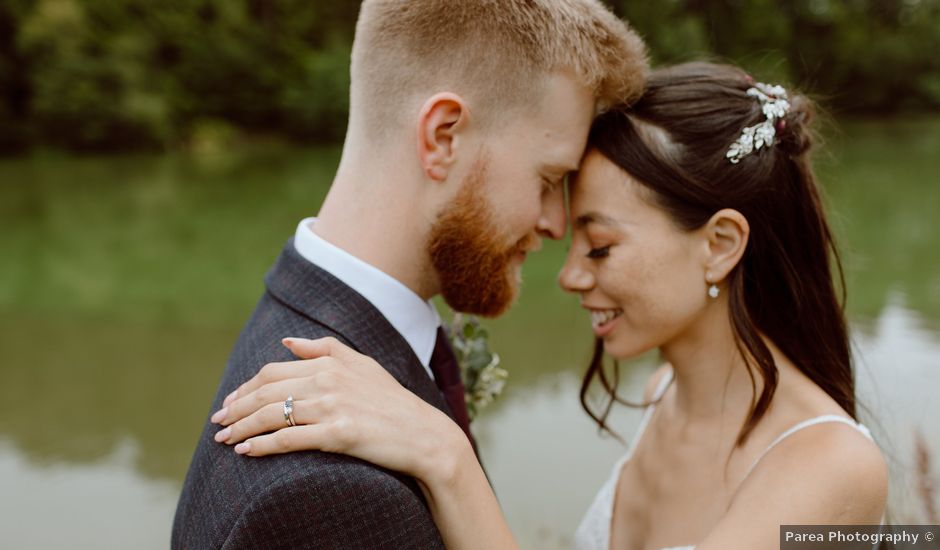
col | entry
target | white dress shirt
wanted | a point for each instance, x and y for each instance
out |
(415, 319)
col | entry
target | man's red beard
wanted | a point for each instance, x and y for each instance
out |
(474, 265)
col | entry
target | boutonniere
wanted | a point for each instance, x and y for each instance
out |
(483, 379)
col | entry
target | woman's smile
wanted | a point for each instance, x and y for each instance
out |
(603, 320)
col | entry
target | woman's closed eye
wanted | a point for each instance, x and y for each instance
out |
(597, 253)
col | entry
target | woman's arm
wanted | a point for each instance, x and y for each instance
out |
(345, 402)
(827, 474)
(464, 506)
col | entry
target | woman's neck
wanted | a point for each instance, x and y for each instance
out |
(711, 377)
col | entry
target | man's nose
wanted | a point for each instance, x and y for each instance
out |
(552, 220)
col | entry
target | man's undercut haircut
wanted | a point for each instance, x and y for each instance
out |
(493, 53)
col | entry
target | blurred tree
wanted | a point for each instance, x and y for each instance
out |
(863, 55)
(129, 74)
(91, 86)
(867, 54)
(14, 86)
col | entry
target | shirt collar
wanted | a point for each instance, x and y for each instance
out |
(415, 319)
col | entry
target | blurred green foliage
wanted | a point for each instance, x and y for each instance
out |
(858, 55)
(131, 74)
(134, 74)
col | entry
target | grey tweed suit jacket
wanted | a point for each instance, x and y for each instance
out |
(305, 499)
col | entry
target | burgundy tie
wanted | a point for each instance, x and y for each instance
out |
(447, 376)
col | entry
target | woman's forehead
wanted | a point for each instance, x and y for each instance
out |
(601, 181)
(603, 194)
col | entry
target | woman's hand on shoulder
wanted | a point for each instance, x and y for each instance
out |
(343, 402)
(827, 474)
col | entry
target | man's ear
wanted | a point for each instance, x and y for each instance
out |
(727, 234)
(440, 120)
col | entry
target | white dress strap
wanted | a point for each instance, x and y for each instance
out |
(805, 424)
(663, 384)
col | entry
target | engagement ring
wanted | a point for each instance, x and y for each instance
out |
(289, 411)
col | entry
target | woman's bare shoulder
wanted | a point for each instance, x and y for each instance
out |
(827, 473)
(830, 471)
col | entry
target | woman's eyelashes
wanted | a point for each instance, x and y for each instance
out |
(601, 252)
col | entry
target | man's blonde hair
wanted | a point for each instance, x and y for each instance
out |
(491, 52)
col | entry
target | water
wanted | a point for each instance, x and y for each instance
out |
(124, 282)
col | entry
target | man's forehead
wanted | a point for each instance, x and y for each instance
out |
(564, 113)
(561, 148)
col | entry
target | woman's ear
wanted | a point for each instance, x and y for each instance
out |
(440, 121)
(727, 233)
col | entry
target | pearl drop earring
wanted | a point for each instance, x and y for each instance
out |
(712, 289)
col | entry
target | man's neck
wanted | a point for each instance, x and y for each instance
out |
(380, 228)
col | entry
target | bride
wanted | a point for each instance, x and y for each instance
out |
(697, 228)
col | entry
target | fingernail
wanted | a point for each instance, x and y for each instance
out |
(219, 415)
(288, 342)
(229, 398)
(243, 448)
(223, 435)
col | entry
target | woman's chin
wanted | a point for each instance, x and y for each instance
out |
(622, 349)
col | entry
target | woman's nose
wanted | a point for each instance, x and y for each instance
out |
(573, 276)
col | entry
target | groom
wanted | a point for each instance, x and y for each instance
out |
(465, 118)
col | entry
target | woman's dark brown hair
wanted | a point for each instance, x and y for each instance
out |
(674, 141)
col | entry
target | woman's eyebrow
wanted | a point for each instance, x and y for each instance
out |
(594, 217)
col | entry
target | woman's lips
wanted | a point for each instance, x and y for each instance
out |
(603, 320)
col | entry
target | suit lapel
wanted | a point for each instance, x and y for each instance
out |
(320, 296)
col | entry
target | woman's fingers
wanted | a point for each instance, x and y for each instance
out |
(266, 419)
(271, 393)
(270, 418)
(342, 356)
(339, 396)
(298, 438)
(275, 372)
(321, 347)
(270, 373)
(314, 354)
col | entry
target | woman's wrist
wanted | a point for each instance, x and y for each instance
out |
(460, 497)
(445, 453)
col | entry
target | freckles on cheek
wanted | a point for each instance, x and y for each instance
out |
(650, 290)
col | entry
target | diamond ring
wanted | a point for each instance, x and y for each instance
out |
(289, 411)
